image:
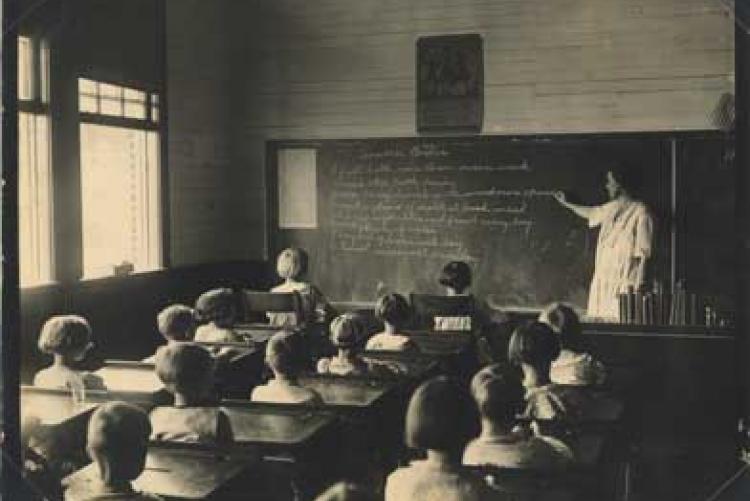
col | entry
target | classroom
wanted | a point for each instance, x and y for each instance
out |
(376, 249)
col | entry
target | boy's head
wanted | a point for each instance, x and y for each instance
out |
(393, 309)
(66, 335)
(186, 369)
(347, 331)
(623, 178)
(563, 320)
(117, 441)
(217, 305)
(456, 275)
(176, 322)
(534, 344)
(498, 394)
(292, 263)
(284, 354)
(440, 417)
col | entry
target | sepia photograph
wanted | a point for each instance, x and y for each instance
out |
(375, 250)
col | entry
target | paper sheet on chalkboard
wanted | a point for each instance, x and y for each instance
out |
(298, 196)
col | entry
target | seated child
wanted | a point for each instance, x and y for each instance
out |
(456, 278)
(117, 442)
(499, 396)
(439, 420)
(176, 324)
(187, 371)
(291, 265)
(394, 312)
(533, 347)
(573, 366)
(347, 333)
(284, 358)
(217, 307)
(67, 338)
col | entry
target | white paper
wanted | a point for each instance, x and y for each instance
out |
(298, 194)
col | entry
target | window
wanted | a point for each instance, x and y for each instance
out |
(120, 179)
(34, 173)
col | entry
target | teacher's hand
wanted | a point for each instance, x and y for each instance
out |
(560, 197)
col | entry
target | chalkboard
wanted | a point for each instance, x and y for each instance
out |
(392, 212)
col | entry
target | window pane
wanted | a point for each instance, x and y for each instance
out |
(34, 200)
(25, 68)
(87, 104)
(154, 113)
(135, 110)
(135, 95)
(86, 86)
(109, 90)
(44, 69)
(111, 107)
(120, 199)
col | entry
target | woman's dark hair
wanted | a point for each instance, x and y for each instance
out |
(534, 344)
(440, 417)
(394, 309)
(630, 177)
(456, 275)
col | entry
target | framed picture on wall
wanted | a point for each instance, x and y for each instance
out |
(450, 83)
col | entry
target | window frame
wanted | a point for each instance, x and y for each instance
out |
(38, 104)
(149, 125)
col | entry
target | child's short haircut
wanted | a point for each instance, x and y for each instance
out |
(292, 263)
(216, 304)
(535, 344)
(284, 353)
(440, 416)
(176, 322)
(64, 334)
(119, 432)
(564, 321)
(498, 394)
(456, 275)
(183, 367)
(394, 309)
(347, 330)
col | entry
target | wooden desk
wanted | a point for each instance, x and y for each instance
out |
(131, 377)
(256, 333)
(273, 425)
(442, 343)
(180, 473)
(51, 407)
(346, 392)
(410, 366)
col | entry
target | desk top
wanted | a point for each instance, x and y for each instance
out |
(345, 392)
(272, 425)
(130, 377)
(171, 472)
(52, 408)
(258, 334)
(441, 343)
(408, 365)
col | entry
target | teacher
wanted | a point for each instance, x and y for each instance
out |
(624, 245)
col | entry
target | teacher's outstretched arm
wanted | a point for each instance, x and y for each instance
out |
(581, 210)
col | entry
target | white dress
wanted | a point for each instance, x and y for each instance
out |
(626, 232)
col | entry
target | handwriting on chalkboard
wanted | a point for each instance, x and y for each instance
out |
(422, 210)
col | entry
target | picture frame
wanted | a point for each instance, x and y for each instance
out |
(450, 83)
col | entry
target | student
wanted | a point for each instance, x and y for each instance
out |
(117, 442)
(67, 338)
(456, 278)
(533, 347)
(439, 420)
(291, 265)
(187, 371)
(573, 366)
(284, 358)
(347, 334)
(217, 307)
(394, 312)
(499, 396)
(176, 324)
